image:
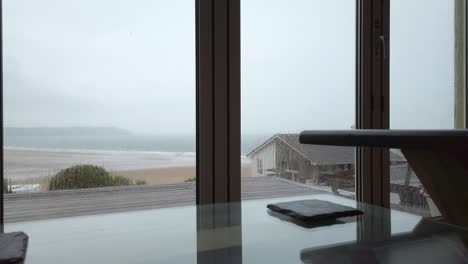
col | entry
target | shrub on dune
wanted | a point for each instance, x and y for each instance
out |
(140, 182)
(7, 186)
(85, 176)
(192, 179)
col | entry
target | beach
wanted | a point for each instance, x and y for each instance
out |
(23, 165)
(168, 175)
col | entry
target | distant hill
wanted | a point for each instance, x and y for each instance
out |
(65, 131)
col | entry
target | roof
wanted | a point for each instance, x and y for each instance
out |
(319, 154)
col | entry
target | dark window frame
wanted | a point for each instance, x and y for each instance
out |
(372, 98)
(218, 101)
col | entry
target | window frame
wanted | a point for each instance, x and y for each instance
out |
(218, 163)
(372, 98)
(218, 101)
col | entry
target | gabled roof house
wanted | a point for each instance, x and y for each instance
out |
(282, 155)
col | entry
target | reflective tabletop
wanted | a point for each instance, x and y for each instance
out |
(244, 232)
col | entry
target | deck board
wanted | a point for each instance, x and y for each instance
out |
(37, 206)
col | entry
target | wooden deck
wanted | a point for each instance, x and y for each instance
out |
(36, 206)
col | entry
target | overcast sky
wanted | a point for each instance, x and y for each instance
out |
(131, 64)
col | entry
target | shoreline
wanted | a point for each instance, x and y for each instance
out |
(96, 151)
(33, 166)
(22, 164)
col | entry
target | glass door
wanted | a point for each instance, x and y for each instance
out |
(298, 73)
(98, 96)
(426, 76)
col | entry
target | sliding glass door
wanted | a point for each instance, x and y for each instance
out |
(298, 73)
(97, 94)
(427, 83)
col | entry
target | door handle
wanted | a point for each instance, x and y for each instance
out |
(383, 43)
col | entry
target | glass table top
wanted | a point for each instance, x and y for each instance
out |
(244, 232)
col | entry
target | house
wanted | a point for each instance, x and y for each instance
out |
(283, 156)
(406, 184)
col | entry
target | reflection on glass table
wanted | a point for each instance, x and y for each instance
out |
(430, 243)
(240, 233)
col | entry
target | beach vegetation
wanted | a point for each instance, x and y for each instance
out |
(191, 179)
(85, 176)
(140, 182)
(7, 188)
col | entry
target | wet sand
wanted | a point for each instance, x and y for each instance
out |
(30, 166)
(23, 164)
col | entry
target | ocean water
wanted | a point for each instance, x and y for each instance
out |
(173, 144)
(31, 156)
(109, 143)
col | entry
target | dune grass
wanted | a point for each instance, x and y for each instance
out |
(7, 186)
(191, 179)
(86, 176)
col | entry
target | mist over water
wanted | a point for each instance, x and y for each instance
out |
(146, 143)
(39, 152)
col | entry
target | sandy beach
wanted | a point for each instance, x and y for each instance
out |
(168, 175)
(32, 166)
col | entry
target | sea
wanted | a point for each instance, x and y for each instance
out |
(27, 155)
(139, 143)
